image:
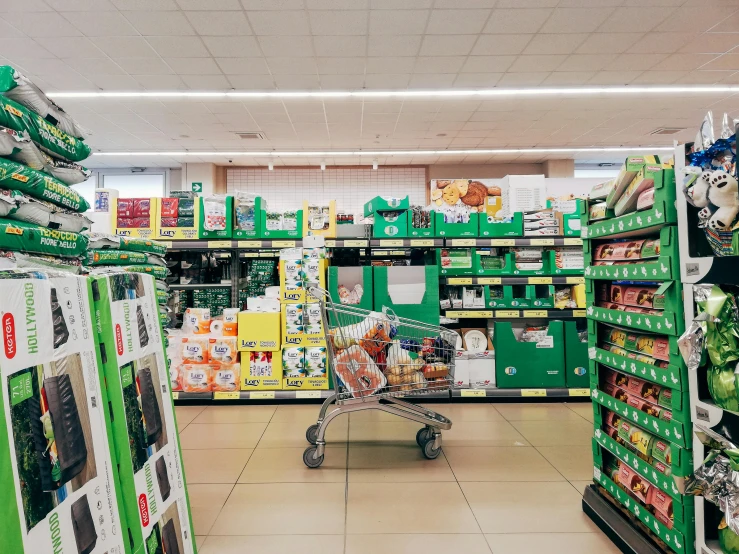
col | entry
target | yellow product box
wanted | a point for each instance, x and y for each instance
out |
(261, 370)
(259, 331)
(135, 217)
(307, 371)
(297, 275)
(302, 324)
(319, 219)
(493, 205)
(172, 225)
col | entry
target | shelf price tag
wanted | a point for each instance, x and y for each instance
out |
(175, 395)
(226, 395)
(283, 243)
(468, 314)
(575, 280)
(573, 242)
(422, 242)
(307, 394)
(249, 244)
(535, 313)
(540, 280)
(502, 242)
(507, 313)
(579, 392)
(167, 243)
(542, 242)
(262, 395)
(219, 244)
(330, 243)
(250, 254)
(473, 393)
(536, 393)
(459, 280)
(356, 243)
(464, 242)
(393, 242)
(578, 313)
(489, 281)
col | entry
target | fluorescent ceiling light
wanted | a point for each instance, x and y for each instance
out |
(375, 153)
(532, 91)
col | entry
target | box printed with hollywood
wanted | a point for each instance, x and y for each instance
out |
(55, 452)
(144, 428)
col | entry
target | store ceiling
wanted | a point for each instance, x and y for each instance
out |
(299, 45)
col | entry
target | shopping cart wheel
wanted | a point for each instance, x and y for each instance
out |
(310, 461)
(424, 434)
(312, 433)
(429, 451)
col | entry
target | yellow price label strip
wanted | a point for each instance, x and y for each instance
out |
(572, 242)
(502, 242)
(249, 244)
(535, 313)
(251, 254)
(473, 393)
(307, 394)
(468, 314)
(393, 242)
(355, 243)
(575, 280)
(330, 243)
(507, 313)
(489, 281)
(175, 395)
(540, 280)
(226, 395)
(262, 395)
(219, 244)
(283, 243)
(167, 243)
(422, 242)
(537, 393)
(459, 280)
(578, 313)
(579, 392)
(542, 242)
(464, 242)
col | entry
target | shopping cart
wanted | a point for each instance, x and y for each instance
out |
(376, 358)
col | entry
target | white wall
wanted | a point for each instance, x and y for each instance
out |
(199, 173)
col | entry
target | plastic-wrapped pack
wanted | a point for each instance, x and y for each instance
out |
(226, 378)
(17, 176)
(244, 206)
(26, 237)
(358, 372)
(214, 216)
(196, 378)
(46, 214)
(18, 146)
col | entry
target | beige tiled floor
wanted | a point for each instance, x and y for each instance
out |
(503, 467)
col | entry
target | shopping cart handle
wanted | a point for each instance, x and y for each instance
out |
(318, 291)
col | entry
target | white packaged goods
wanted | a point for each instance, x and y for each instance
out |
(60, 493)
(315, 361)
(293, 361)
(144, 429)
(312, 322)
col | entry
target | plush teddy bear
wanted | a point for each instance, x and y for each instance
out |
(717, 192)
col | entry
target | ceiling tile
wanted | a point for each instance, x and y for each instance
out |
(655, 77)
(337, 4)
(533, 64)
(431, 80)
(342, 82)
(283, 5)
(134, 47)
(284, 23)
(101, 24)
(280, 47)
(575, 20)
(224, 23)
(390, 65)
(393, 46)
(347, 46)
(398, 22)
(251, 82)
(457, 22)
(614, 77)
(493, 45)
(338, 22)
(516, 21)
(145, 4)
(483, 64)
(408, 4)
(628, 62)
(633, 19)
(194, 66)
(447, 45)
(587, 62)
(608, 43)
(660, 43)
(728, 25)
(94, 66)
(439, 64)
(561, 78)
(14, 48)
(697, 20)
(178, 47)
(115, 82)
(292, 66)
(9, 6)
(207, 5)
(712, 43)
(206, 82)
(563, 43)
(42, 24)
(297, 82)
(69, 47)
(522, 79)
(393, 81)
(704, 77)
(243, 66)
(159, 23)
(144, 66)
(35, 67)
(464, 4)
(232, 47)
(340, 66)
(725, 62)
(688, 62)
(527, 3)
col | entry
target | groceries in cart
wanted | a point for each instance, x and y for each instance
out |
(379, 352)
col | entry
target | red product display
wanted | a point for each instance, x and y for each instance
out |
(170, 207)
(646, 407)
(615, 392)
(662, 503)
(644, 389)
(141, 207)
(125, 207)
(169, 222)
(124, 222)
(140, 222)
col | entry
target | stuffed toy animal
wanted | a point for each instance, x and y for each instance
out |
(717, 193)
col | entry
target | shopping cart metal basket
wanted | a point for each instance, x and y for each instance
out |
(376, 358)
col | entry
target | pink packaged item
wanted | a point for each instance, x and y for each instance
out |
(141, 222)
(169, 222)
(125, 207)
(358, 372)
(663, 519)
(170, 207)
(141, 207)
(196, 378)
(125, 222)
(615, 378)
(617, 393)
(645, 200)
(646, 407)
(644, 389)
(661, 502)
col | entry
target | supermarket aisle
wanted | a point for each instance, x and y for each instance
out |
(503, 468)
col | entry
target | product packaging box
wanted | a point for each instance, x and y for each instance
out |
(247, 218)
(576, 357)
(318, 219)
(57, 460)
(482, 369)
(135, 217)
(216, 217)
(177, 218)
(145, 433)
(302, 324)
(451, 230)
(390, 225)
(305, 368)
(421, 223)
(536, 364)
(455, 261)
(493, 227)
(351, 286)
(385, 204)
(461, 369)
(261, 370)
(411, 292)
(298, 274)
(259, 331)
